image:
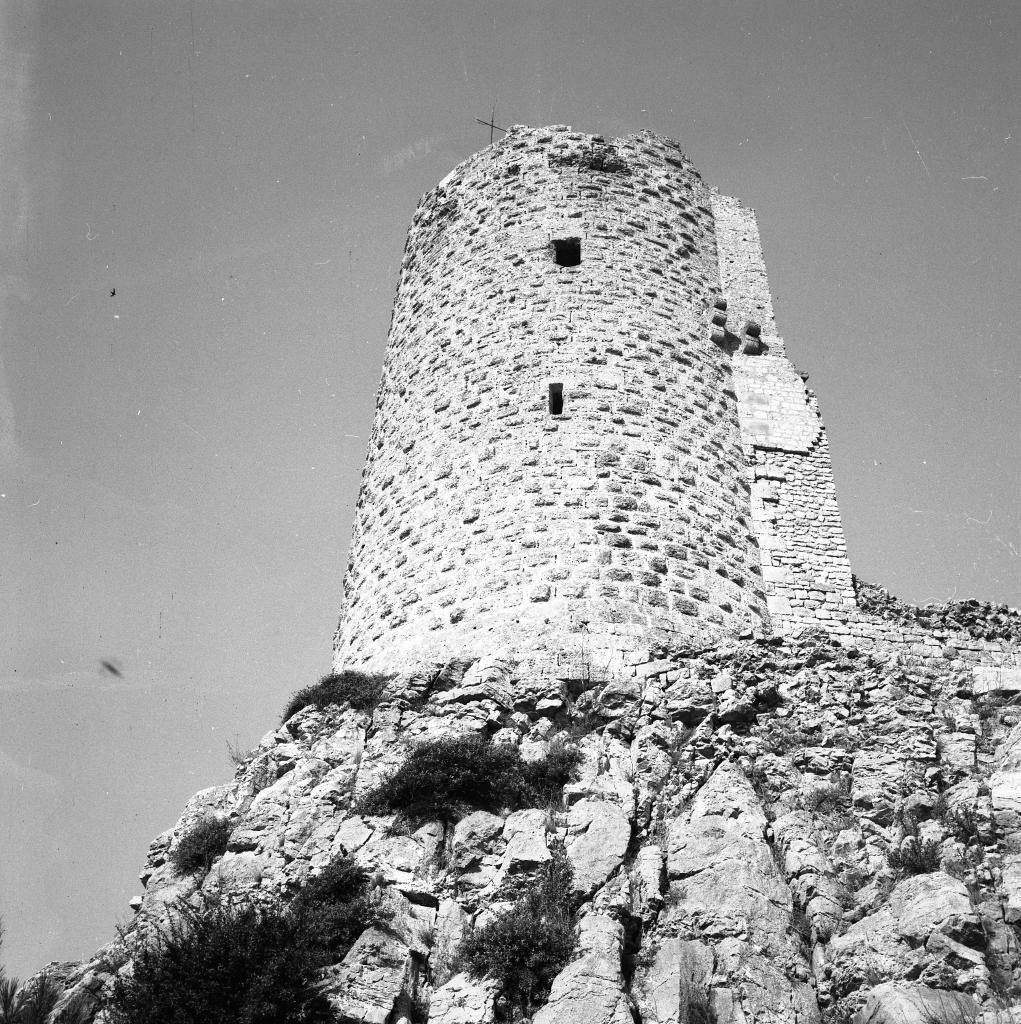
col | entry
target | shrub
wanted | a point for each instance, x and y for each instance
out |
(782, 736)
(964, 824)
(237, 754)
(335, 906)
(205, 841)
(915, 856)
(361, 690)
(248, 964)
(699, 1008)
(543, 780)
(527, 947)
(35, 1001)
(31, 1003)
(443, 779)
(8, 999)
(828, 797)
(243, 964)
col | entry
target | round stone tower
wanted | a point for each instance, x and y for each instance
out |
(555, 467)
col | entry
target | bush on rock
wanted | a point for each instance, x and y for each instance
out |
(915, 856)
(244, 964)
(361, 690)
(335, 905)
(247, 964)
(205, 841)
(528, 946)
(445, 778)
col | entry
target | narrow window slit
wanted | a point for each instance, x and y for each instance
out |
(556, 399)
(567, 251)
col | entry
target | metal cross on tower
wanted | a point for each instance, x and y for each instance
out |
(490, 125)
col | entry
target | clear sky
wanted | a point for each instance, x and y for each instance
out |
(202, 212)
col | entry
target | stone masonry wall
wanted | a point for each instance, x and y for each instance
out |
(805, 569)
(743, 269)
(794, 505)
(487, 519)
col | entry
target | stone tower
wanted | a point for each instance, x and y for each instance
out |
(592, 468)
(588, 440)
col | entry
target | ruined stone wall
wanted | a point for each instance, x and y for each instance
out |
(743, 269)
(487, 519)
(794, 504)
(805, 569)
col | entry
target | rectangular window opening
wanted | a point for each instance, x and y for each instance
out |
(556, 399)
(567, 251)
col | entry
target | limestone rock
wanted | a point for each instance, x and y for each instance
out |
(677, 981)
(648, 879)
(590, 989)
(904, 937)
(463, 1001)
(876, 778)
(724, 879)
(377, 970)
(525, 834)
(598, 834)
(934, 903)
(606, 772)
(452, 924)
(893, 1003)
(476, 849)
(724, 863)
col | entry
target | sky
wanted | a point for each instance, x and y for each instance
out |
(202, 213)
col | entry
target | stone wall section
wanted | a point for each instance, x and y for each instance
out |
(805, 569)
(487, 519)
(794, 505)
(743, 269)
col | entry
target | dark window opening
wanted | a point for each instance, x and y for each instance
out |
(567, 251)
(556, 399)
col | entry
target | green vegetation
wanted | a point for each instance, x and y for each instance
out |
(197, 849)
(28, 1004)
(964, 823)
(915, 856)
(336, 904)
(782, 736)
(228, 964)
(699, 1008)
(446, 778)
(526, 948)
(359, 689)
(828, 797)
(247, 964)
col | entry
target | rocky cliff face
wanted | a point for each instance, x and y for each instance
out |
(772, 830)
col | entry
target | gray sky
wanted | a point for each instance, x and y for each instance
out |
(180, 460)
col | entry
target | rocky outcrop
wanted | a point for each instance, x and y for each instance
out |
(767, 831)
